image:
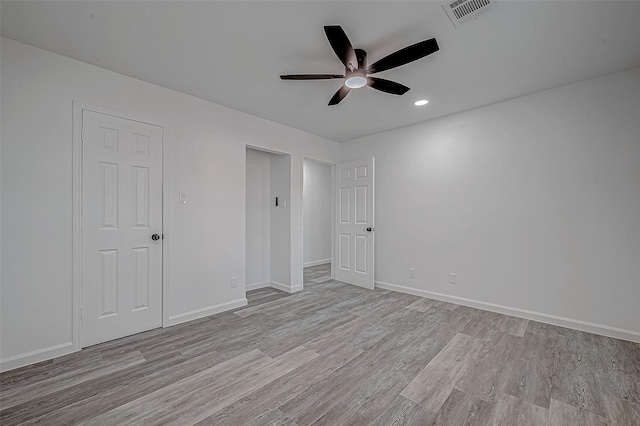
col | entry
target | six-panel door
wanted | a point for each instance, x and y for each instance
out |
(355, 223)
(121, 210)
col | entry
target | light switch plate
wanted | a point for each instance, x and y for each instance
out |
(184, 197)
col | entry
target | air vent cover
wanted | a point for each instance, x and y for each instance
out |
(462, 11)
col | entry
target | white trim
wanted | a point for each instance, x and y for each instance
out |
(589, 327)
(76, 219)
(334, 260)
(255, 286)
(283, 287)
(268, 150)
(118, 113)
(301, 219)
(76, 226)
(205, 312)
(165, 225)
(38, 355)
(316, 263)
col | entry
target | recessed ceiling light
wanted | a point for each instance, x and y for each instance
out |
(421, 102)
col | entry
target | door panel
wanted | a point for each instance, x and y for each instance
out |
(121, 209)
(361, 205)
(355, 214)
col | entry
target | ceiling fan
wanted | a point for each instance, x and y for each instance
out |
(356, 72)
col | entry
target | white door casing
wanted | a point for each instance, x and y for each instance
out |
(121, 210)
(355, 223)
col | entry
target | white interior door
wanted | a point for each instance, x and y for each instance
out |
(355, 223)
(121, 227)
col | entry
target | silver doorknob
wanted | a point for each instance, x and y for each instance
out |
(155, 237)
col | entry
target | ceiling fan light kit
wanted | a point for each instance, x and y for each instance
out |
(357, 74)
(355, 81)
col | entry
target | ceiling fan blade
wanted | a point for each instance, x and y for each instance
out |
(310, 76)
(387, 86)
(340, 94)
(341, 45)
(404, 56)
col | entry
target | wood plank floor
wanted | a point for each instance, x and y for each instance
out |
(336, 354)
(317, 274)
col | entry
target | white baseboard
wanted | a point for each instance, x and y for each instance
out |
(205, 312)
(316, 263)
(274, 284)
(280, 286)
(36, 356)
(51, 352)
(589, 327)
(255, 286)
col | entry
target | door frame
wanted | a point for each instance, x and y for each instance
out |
(333, 215)
(292, 267)
(76, 213)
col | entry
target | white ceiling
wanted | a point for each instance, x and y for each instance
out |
(232, 53)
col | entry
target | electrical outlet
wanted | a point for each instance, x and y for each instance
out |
(452, 278)
(412, 273)
(234, 282)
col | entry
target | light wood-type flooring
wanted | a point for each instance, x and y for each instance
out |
(336, 354)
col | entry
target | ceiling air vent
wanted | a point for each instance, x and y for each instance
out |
(462, 11)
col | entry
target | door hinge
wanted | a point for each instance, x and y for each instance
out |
(82, 135)
(81, 313)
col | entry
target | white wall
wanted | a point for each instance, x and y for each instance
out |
(317, 213)
(258, 219)
(533, 202)
(281, 223)
(206, 157)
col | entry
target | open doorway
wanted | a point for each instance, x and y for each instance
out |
(268, 221)
(317, 211)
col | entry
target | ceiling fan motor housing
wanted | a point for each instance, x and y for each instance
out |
(356, 77)
(361, 55)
